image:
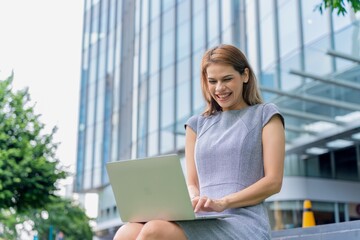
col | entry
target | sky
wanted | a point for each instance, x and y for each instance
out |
(40, 41)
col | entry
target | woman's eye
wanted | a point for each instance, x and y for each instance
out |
(212, 82)
(227, 79)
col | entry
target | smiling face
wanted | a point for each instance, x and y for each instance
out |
(225, 85)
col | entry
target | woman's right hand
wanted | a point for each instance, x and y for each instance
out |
(194, 201)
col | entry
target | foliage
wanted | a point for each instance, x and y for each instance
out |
(338, 5)
(65, 216)
(28, 166)
(61, 214)
(29, 171)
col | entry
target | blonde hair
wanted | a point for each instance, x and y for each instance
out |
(231, 55)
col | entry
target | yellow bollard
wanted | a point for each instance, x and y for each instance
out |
(308, 215)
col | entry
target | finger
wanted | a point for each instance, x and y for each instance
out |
(194, 201)
(200, 203)
(208, 203)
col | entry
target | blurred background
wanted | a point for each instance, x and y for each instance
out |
(137, 81)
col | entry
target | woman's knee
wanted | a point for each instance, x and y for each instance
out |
(158, 229)
(151, 230)
(128, 231)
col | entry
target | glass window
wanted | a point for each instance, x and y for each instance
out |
(94, 25)
(183, 13)
(153, 144)
(155, 29)
(346, 164)
(98, 155)
(92, 70)
(89, 146)
(167, 78)
(154, 56)
(85, 60)
(102, 63)
(267, 78)
(153, 113)
(324, 212)
(198, 6)
(267, 31)
(198, 31)
(288, 27)
(144, 52)
(168, 49)
(183, 71)
(155, 8)
(154, 104)
(110, 56)
(167, 108)
(183, 100)
(144, 14)
(100, 108)
(142, 127)
(104, 18)
(114, 136)
(141, 148)
(112, 15)
(350, 35)
(183, 40)
(154, 85)
(340, 21)
(316, 61)
(166, 4)
(226, 20)
(294, 166)
(213, 20)
(196, 79)
(119, 26)
(315, 25)
(88, 158)
(319, 166)
(167, 141)
(285, 214)
(251, 43)
(137, 17)
(168, 20)
(90, 112)
(180, 141)
(87, 179)
(87, 33)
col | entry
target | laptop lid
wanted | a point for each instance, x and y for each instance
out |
(150, 188)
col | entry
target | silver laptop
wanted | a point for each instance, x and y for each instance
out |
(152, 188)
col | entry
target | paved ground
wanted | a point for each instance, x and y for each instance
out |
(336, 231)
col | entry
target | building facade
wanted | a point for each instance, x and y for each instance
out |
(140, 82)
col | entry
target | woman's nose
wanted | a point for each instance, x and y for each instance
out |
(219, 86)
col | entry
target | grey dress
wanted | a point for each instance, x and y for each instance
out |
(228, 156)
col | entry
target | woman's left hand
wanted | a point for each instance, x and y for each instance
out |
(205, 204)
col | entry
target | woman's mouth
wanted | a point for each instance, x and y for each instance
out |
(223, 97)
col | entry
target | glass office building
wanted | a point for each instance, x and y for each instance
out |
(140, 82)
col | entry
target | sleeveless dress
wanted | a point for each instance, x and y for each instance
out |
(228, 156)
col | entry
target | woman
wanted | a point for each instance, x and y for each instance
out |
(234, 156)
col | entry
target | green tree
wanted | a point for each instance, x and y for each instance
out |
(60, 215)
(338, 5)
(28, 166)
(65, 216)
(29, 171)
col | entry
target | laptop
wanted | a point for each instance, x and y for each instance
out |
(152, 188)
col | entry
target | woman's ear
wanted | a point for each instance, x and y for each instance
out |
(245, 75)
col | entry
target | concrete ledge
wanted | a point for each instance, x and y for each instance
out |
(336, 231)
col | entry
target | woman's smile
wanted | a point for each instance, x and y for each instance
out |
(225, 85)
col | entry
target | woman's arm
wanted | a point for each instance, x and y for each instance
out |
(192, 177)
(273, 140)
